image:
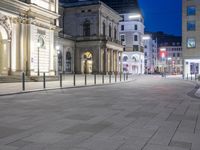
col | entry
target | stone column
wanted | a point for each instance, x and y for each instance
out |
(18, 45)
(105, 70)
(111, 60)
(117, 61)
(121, 62)
(5, 57)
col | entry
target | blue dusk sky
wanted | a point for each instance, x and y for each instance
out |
(162, 15)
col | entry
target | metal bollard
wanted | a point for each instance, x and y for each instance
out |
(115, 77)
(74, 79)
(103, 79)
(85, 79)
(95, 79)
(60, 80)
(120, 77)
(124, 77)
(44, 80)
(110, 78)
(23, 81)
(187, 76)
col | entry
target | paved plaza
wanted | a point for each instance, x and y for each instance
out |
(150, 113)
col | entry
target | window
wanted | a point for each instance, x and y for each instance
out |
(136, 27)
(86, 28)
(125, 59)
(191, 10)
(122, 38)
(104, 29)
(174, 54)
(115, 33)
(191, 26)
(122, 17)
(110, 31)
(191, 43)
(122, 27)
(135, 38)
(178, 54)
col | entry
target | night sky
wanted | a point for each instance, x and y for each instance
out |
(162, 15)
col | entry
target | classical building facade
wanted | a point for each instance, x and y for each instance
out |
(190, 36)
(27, 42)
(94, 26)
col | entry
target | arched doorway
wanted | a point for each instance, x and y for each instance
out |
(3, 51)
(87, 62)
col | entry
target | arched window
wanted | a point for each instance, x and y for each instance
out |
(86, 28)
(104, 29)
(125, 58)
(115, 33)
(110, 31)
(68, 62)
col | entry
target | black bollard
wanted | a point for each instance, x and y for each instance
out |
(95, 79)
(60, 80)
(85, 79)
(74, 79)
(103, 79)
(23, 81)
(44, 80)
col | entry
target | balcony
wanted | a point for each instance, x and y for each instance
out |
(97, 38)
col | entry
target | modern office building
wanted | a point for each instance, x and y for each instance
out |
(190, 36)
(27, 42)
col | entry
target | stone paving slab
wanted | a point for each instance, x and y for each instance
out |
(148, 114)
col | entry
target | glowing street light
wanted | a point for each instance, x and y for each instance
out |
(146, 37)
(136, 16)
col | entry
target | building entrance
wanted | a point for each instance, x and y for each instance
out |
(87, 63)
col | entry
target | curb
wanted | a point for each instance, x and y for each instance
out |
(193, 92)
(63, 88)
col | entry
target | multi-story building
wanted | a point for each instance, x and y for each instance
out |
(94, 27)
(169, 53)
(123, 6)
(190, 36)
(27, 42)
(131, 29)
(150, 54)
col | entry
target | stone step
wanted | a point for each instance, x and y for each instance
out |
(13, 79)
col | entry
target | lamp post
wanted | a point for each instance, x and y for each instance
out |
(59, 58)
(169, 59)
(38, 45)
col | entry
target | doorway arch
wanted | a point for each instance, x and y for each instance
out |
(87, 62)
(3, 51)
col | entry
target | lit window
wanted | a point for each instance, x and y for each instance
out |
(191, 43)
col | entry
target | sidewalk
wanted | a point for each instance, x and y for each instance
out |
(67, 82)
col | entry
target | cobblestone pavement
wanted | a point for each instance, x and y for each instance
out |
(150, 113)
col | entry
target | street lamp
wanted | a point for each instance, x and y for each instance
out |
(169, 64)
(38, 46)
(59, 58)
